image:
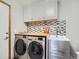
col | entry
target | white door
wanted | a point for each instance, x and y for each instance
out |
(4, 15)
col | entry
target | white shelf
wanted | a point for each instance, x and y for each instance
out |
(39, 20)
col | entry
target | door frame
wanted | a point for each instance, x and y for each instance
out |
(9, 28)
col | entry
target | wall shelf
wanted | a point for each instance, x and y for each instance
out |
(39, 20)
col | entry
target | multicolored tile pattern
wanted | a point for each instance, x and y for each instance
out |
(55, 27)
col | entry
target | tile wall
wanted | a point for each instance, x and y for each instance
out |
(55, 27)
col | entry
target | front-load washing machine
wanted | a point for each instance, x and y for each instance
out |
(36, 47)
(20, 48)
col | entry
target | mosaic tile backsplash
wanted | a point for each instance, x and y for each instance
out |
(55, 27)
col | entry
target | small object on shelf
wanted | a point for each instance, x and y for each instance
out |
(46, 30)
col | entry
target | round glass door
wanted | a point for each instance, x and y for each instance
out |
(35, 50)
(20, 47)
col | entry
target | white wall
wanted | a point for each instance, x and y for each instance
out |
(69, 10)
(17, 19)
(41, 9)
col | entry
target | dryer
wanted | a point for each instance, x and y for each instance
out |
(36, 47)
(20, 48)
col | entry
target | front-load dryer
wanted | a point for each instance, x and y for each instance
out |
(20, 48)
(36, 47)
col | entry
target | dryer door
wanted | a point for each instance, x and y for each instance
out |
(20, 47)
(35, 50)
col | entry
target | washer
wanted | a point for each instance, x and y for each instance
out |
(36, 47)
(20, 48)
